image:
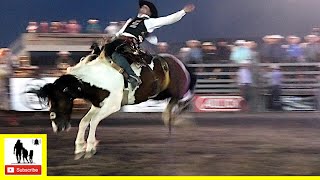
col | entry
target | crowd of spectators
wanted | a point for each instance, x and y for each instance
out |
(272, 49)
(72, 26)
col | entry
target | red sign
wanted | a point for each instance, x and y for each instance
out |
(217, 103)
(23, 169)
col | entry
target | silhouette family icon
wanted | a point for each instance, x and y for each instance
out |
(22, 153)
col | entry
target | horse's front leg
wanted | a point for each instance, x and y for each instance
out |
(80, 143)
(110, 105)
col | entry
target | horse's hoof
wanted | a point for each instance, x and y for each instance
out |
(96, 143)
(79, 155)
(90, 154)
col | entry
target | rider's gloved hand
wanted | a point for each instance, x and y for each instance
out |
(189, 8)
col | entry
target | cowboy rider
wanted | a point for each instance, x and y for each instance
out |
(137, 29)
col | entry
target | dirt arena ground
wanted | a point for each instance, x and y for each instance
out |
(210, 144)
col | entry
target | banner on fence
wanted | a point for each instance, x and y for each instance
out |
(217, 103)
(299, 103)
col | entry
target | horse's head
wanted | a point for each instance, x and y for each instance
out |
(60, 103)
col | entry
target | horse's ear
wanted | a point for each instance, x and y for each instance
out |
(103, 53)
(45, 91)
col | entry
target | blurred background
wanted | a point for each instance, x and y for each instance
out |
(257, 98)
(251, 56)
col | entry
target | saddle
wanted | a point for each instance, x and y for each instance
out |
(129, 48)
(139, 58)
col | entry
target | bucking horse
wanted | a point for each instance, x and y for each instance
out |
(98, 80)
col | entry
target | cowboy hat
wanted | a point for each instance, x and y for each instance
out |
(311, 36)
(152, 7)
(163, 44)
(193, 42)
(63, 53)
(292, 37)
(207, 44)
(93, 21)
(240, 42)
(275, 36)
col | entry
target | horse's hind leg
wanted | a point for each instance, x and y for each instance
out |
(174, 109)
(168, 115)
(185, 101)
(80, 144)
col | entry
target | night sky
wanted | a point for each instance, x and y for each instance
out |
(212, 18)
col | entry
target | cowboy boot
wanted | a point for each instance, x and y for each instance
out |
(135, 81)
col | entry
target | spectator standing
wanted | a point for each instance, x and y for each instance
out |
(73, 27)
(183, 54)
(245, 82)
(275, 79)
(294, 50)
(312, 49)
(272, 50)
(277, 52)
(112, 28)
(93, 26)
(195, 54)
(63, 27)
(55, 27)
(43, 27)
(240, 52)
(257, 96)
(265, 50)
(162, 47)
(32, 27)
(64, 60)
(223, 51)
(209, 57)
(209, 52)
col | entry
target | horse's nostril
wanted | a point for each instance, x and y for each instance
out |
(54, 127)
(53, 115)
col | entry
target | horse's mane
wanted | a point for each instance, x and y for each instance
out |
(66, 80)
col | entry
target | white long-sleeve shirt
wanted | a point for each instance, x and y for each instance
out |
(154, 23)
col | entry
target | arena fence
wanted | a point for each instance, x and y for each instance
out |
(300, 85)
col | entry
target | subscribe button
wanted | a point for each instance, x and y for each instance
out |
(23, 169)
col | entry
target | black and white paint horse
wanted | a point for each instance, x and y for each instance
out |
(101, 84)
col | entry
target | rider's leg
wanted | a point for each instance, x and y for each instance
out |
(122, 61)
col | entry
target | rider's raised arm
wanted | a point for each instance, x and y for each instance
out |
(154, 23)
